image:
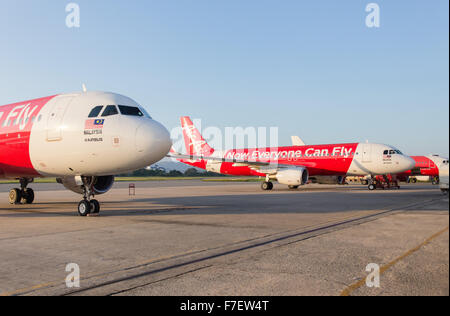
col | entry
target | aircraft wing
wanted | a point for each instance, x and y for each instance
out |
(260, 166)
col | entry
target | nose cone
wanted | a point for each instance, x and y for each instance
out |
(405, 164)
(411, 163)
(153, 141)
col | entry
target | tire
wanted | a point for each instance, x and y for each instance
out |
(27, 196)
(15, 195)
(84, 208)
(267, 186)
(372, 187)
(293, 187)
(95, 207)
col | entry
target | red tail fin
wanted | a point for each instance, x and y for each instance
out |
(195, 143)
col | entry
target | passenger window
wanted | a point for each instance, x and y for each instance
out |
(96, 111)
(110, 110)
(130, 110)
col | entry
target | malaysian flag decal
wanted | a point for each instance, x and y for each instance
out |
(94, 124)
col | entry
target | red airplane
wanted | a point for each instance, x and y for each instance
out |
(425, 166)
(293, 165)
(82, 139)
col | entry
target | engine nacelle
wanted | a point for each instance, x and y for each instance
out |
(328, 179)
(293, 176)
(101, 185)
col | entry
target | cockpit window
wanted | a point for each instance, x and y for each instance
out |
(96, 111)
(392, 152)
(130, 110)
(146, 113)
(110, 110)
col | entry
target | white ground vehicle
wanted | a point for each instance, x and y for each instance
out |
(443, 176)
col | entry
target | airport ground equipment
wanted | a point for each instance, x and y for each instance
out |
(444, 177)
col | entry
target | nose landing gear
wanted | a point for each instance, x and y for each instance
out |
(23, 195)
(385, 182)
(88, 206)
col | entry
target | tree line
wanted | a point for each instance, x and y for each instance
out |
(191, 172)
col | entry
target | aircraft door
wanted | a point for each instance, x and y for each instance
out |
(55, 119)
(366, 153)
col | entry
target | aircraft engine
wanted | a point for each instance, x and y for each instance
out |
(101, 185)
(293, 176)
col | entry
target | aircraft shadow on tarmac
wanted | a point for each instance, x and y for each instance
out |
(264, 203)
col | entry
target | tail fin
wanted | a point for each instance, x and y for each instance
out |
(297, 141)
(195, 143)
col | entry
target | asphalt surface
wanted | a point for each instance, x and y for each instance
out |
(198, 238)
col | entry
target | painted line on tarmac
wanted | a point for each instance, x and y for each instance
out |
(262, 242)
(357, 285)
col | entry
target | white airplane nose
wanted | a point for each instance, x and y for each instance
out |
(405, 163)
(153, 141)
(411, 163)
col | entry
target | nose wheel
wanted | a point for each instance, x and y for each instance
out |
(84, 208)
(88, 206)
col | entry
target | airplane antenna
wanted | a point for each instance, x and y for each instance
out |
(84, 88)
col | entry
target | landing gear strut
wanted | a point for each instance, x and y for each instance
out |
(88, 205)
(372, 185)
(23, 195)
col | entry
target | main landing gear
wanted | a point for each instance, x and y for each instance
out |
(267, 186)
(88, 205)
(23, 195)
(435, 181)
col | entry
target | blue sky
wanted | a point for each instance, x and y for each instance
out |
(312, 68)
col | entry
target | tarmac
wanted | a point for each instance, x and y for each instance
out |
(192, 238)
